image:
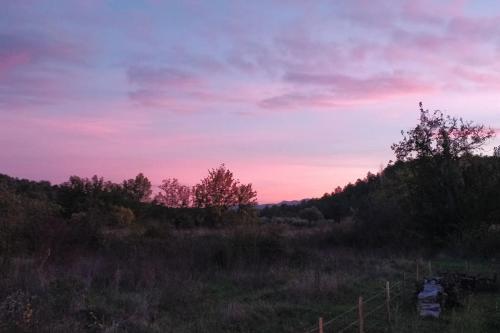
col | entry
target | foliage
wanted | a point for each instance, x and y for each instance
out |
(272, 278)
(122, 216)
(138, 189)
(440, 135)
(438, 195)
(311, 214)
(83, 194)
(219, 191)
(173, 194)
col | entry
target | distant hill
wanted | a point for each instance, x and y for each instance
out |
(284, 202)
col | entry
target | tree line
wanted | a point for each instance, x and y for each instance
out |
(34, 213)
(441, 192)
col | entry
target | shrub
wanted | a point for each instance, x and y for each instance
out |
(311, 214)
(293, 221)
(121, 216)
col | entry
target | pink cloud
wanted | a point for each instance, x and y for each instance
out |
(480, 78)
(163, 77)
(475, 28)
(293, 100)
(162, 87)
(342, 90)
(33, 69)
(430, 12)
(35, 49)
(183, 91)
(9, 61)
(76, 125)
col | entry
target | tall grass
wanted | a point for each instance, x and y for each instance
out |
(273, 278)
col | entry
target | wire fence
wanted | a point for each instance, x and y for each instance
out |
(357, 318)
(376, 313)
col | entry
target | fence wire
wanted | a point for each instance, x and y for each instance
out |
(398, 288)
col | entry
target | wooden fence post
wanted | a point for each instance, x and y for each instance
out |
(418, 277)
(320, 324)
(360, 314)
(388, 301)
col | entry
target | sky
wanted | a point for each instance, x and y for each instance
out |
(295, 97)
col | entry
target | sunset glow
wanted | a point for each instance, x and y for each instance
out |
(295, 97)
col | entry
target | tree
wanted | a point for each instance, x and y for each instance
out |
(246, 196)
(219, 191)
(311, 214)
(138, 189)
(337, 190)
(439, 154)
(173, 194)
(80, 194)
(440, 135)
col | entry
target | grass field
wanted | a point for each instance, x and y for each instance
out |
(258, 279)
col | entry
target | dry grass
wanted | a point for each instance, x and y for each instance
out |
(269, 279)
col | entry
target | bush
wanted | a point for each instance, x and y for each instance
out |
(311, 214)
(121, 216)
(293, 221)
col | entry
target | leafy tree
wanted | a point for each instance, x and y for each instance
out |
(173, 194)
(78, 194)
(246, 196)
(95, 196)
(138, 189)
(26, 217)
(219, 191)
(440, 149)
(440, 135)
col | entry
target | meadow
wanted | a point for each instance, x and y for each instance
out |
(246, 278)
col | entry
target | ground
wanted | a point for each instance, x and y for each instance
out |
(272, 279)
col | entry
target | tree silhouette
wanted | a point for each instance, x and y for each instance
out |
(440, 135)
(138, 189)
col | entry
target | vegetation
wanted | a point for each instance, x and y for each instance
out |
(93, 255)
(438, 195)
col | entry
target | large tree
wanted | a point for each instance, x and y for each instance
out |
(441, 135)
(220, 191)
(439, 153)
(138, 188)
(173, 194)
